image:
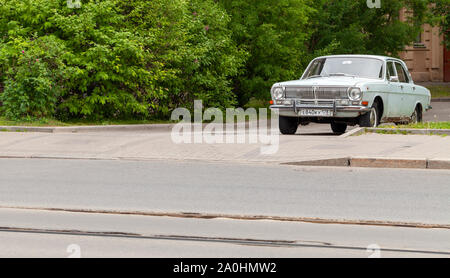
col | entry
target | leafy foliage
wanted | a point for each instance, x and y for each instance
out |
(275, 34)
(139, 59)
(283, 36)
(120, 59)
(440, 15)
(352, 28)
(34, 76)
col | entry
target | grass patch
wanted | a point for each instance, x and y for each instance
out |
(56, 123)
(438, 91)
(393, 131)
(41, 122)
(428, 125)
(52, 122)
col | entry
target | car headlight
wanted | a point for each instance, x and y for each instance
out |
(354, 94)
(278, 93)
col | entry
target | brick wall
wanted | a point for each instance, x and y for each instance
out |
(425, 58)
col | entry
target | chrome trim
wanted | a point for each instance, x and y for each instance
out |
(316, 92)
(337, 108)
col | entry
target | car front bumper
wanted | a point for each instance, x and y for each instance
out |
(351, 111)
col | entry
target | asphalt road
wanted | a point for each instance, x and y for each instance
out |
(35, 245)
(331, 193)
(35, 233)
(439, 113)
(108, 188)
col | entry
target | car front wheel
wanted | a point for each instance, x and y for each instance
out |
(371, 118)
(417, 115)
(338, 128)
(288, 125)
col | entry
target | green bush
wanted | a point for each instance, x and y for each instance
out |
(119, 59)
(192, 42)
(34, 77)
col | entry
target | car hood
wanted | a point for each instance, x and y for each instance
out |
(330, 81)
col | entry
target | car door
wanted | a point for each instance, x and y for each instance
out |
(394, 92)
(407, 104)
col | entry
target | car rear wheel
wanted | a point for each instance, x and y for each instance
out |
(338, 128)
(288, 125)
(371, 118)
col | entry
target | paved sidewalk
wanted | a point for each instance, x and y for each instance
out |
(146, 145)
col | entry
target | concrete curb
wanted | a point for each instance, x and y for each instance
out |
(404, 131)
(412, 131)
(81, 129)
(388, 163)
(354, 132)
(332, 162)
(366, 162)
(26, 129)
(149, 127)
(438, 164)
(357, 162)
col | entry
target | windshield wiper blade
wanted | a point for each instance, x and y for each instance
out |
(315, 76)
(342, 74)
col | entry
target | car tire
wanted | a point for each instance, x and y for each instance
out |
(338, 128)
(416, 117)
(288, 125)
(371, 118)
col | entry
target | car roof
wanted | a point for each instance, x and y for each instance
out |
(384, 58)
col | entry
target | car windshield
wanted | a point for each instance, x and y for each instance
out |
(345, 66)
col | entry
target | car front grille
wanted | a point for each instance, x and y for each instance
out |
(327, 103)
(318, 93)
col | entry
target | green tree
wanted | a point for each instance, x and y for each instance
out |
(351, 27)
(274, 33)
(440, 15)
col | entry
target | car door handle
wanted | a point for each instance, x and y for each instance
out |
(401, 86)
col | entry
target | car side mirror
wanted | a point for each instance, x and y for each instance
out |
(394, 79)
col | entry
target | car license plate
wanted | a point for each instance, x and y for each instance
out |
(316, 112)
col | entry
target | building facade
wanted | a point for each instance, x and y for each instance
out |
(427, 59)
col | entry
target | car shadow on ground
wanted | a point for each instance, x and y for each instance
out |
(318, 134)
(319, 130)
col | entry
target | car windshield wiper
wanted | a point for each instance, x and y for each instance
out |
(315, 76)
(342, 74)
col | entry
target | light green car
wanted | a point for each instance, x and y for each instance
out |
(347, 90)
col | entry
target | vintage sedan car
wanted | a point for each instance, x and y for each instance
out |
(344, 90)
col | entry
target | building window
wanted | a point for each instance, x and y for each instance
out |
(418, 43)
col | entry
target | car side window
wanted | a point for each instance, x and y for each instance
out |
(405, 72)
(401, 73)
(316, 67)
(390, 70)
